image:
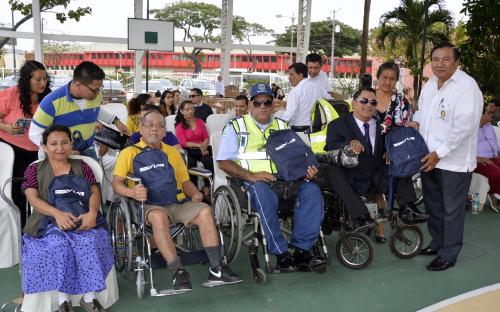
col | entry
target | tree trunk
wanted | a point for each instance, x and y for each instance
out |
(364, 38)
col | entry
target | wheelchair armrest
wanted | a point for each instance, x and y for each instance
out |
(200, 172)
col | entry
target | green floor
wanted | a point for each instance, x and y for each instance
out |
(388, 284)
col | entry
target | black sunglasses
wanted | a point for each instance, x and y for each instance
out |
(267, 103)
(365, 101)
(194, 95)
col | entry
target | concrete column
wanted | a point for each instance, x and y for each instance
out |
(37, 30)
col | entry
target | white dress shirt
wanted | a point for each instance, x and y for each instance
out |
(321, 80)
(219, 87)
(449, 119)
(300, 102)
(373, 130)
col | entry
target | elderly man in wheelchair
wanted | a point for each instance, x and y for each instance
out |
(359, 135)
(169, 197)
(241, 156)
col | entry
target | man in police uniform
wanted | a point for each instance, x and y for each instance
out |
(241, 155)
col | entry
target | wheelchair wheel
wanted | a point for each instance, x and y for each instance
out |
(417, 185)
(406, 241)
(121, 235)
(139, 283)
(260, 276)
(355, 250)
(228, 219)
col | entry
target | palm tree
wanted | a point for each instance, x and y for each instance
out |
(403, 27)
(364, 38)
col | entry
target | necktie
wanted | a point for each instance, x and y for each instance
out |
(367, 137)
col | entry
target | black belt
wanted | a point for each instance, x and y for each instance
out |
(300, 128)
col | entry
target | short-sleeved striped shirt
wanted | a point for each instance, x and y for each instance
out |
(60, 108)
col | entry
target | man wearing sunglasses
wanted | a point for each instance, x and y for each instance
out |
(362, 133)
(242, 155)
(77, 106)
(201, 110)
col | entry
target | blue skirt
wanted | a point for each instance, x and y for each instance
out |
(71, 262)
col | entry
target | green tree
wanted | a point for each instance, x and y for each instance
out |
(244, 31)
(197, 20)
(403, 27)
(347, 42)
(480, 52)
(45, 5)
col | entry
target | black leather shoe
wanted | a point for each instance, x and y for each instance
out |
(285, 263)
(306, 261)
(440, 264)
(380, 239)
(428, 251)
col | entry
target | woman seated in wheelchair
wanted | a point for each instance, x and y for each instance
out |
(164, 189)
(66, 248)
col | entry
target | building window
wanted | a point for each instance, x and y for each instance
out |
(259, 58)
(153, 56)
(244, 58)
(93, 56)
(266, 59)
(273, 59)
(176, 57)
(160, 56)
(81, 57)
(105, 55)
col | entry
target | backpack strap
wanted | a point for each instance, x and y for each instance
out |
(44, 176)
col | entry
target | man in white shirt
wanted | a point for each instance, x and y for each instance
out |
(219, 87)
(316, 75)
(450, 108)
(301, 98)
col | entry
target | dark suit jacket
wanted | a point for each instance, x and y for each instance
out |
(371, 168)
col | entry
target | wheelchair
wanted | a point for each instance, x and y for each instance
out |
(354, 249)
(131, 239)
(240, 225)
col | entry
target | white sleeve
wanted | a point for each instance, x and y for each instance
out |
(35, 134)
(105, 116)
(291, 105)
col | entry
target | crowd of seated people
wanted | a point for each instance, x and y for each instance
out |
(362, 132)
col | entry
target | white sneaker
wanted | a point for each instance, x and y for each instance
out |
(493, 202)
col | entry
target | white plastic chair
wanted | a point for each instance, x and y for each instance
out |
(479, 183)
(48, 301)
(9, 214)
(117, 109)
(220, 177)
(170, 123)
(216, 122)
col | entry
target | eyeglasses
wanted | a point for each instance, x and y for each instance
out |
(365, 101)
(152, 126)
(96, 91)
(266, 103)
(194, 95)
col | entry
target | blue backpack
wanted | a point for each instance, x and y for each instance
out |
(290, 154)
(406, 148)
(71, 193)
(152, 167)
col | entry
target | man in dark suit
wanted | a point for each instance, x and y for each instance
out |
(362, 133)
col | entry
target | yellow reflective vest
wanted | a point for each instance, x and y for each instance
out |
(252, 154)
(318, 135)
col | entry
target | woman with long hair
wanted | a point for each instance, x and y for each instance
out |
(167, 105)
(17, 106)
(193, 137)
(134, 109)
